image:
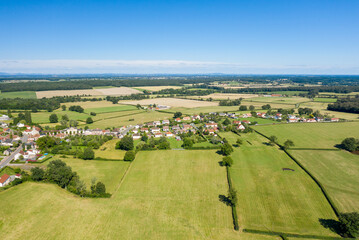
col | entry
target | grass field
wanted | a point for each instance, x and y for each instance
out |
(312, 135)
(285, 100)
(228, 96)
(271, 199)
(43, 117)
(24, 94)
(114, 108)
(172, 102)
(108, 172)
(157, 88)
(338, 171)
(328, 100)
(108, 151)
(165, 195)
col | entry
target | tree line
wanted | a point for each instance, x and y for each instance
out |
(350, 105)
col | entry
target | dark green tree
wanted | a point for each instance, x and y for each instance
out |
(65, 117)
(226, 122)
(129, 156)
(126, 143)
(273, 140)
(177, 114)
(349, 224)
(243, 108)
(239, 142)
(37, 174)
(226, 149)
(187, 143)
(251, 108)
(100, 188)
(63, 108)
(89, 120)
(28, 119)
(88, 154)
(350, 144)
(227, 161)
(232, 196)
(53, 118)
(287, 144)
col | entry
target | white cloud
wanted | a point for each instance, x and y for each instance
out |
(58, 66)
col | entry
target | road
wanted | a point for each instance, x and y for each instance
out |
(8, 159)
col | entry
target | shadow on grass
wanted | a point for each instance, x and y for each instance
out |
(224, 199)
(332, 224)
(266, 143)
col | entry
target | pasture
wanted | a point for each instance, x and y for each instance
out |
(165, 195)
(23, 94)
(108, 172)
(271, 199)
(157, 88)
(173, 102)
(108, 151)
(43, 117)
(312, 135)
(280, 100)
(113, 108)
(338, 172)
(118, 91)
(229, 96)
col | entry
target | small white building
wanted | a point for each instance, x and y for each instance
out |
(4, 180)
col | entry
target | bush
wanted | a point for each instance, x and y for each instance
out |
(88, 154)
(126, 143)
(130, 156)
(89, 120)
(226, 149)
(350, 144)
(37, 174)
(92, 113)
(227, 161)
(53, 118)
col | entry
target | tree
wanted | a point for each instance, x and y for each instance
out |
(164, 145)
(144, 137)
(251, 108)
(53, 118)
(126, 143)
(138, 106)
(242, 108)
(93, 114)
(239, 142)
(65, 117)
(59, 173)
(37, 174)
(226, 149)
(129, 156)
(28, 119)
(63, 107)
(287, 144)
(88, 154)
(266, 107)
(226, 122)
(100, 188)
(232, 196)
(89, 120)
(227, 161)
(187, 143)
(350, 144)
(73, 123)
(349, 224)
(177, 114)
(273, 140)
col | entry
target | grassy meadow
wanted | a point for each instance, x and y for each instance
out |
(22, 94)
(108, 151)
(312, 135)
(165, 195)
(338, 171)
(271, 199)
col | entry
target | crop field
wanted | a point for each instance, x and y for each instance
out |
(157, 88)
(23, 94)
(91, 104)
(108, 151)
(173, 102)
(312, 135)
(108, 172)
(229, 96)
(143, 207)
(258, 105)
(118, 91)
(338, 171)
(207, 109)
(271, 199)
(285, 100)
(43, 117)
(113, 108)
(133, 119)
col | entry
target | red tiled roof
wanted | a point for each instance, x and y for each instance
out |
(3, 178)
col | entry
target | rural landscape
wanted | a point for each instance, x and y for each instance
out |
(208, 158)
(179, 120)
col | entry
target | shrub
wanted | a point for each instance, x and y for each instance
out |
(37, 174)
(126, 143)
(93, 114)
(88, 154)
(89, 120)
(349, 224)
(53, 118)
(130, 156)
(227, 161)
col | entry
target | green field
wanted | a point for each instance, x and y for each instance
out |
(108, 172)
(115, 108)
(312, 135)
(328, 100)
(108, 151)
(43, 117)
(271, 199)
(23, 94)
(165, 195)
(285, 100)
(338, 171)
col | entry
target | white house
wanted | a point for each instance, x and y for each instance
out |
(169, 134)
(4, 118)
(4, 180)
(20, 125)
(240, 127)
(136, 136)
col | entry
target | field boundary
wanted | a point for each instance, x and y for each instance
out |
(326, 195)
(123, 178)
(233, 207)
(293, 235)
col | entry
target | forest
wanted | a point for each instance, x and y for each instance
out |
(350, 105)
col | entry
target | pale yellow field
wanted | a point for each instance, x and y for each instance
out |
(229, 96)
(158, 88)
(173, 102)
(120, 91)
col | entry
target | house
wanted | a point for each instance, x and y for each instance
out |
(144, 130)
(222, 114)
(5, 118)
(196, 117)
(165, 128)
(136, 136)
(186, 127)
(319, 119)
(210, 131)
(150, 124)
(236, 122)
(72, 131)
(175, 128)
(155, 130)
(4, 180)
(8, 152)
(334, 119)
(310, 120)
(157, 135)
(240, 127)
(156, 123)
(247, 115)
(169, 134)
(165, 122)
(186, 119)
(246, 122)
(20, 125)
(178, 120)
(135, 130)
(292, 119)
(211, 125)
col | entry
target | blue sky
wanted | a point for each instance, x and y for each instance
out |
(253, 36)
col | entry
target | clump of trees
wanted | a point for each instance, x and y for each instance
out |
(228, 102)
(350, 105)
(349, 224)
(126, 143)
(226, 149)
(76, 108)
(59, 173)
(350, 144)
(53, 118)
(152, 144)
(177, 115)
